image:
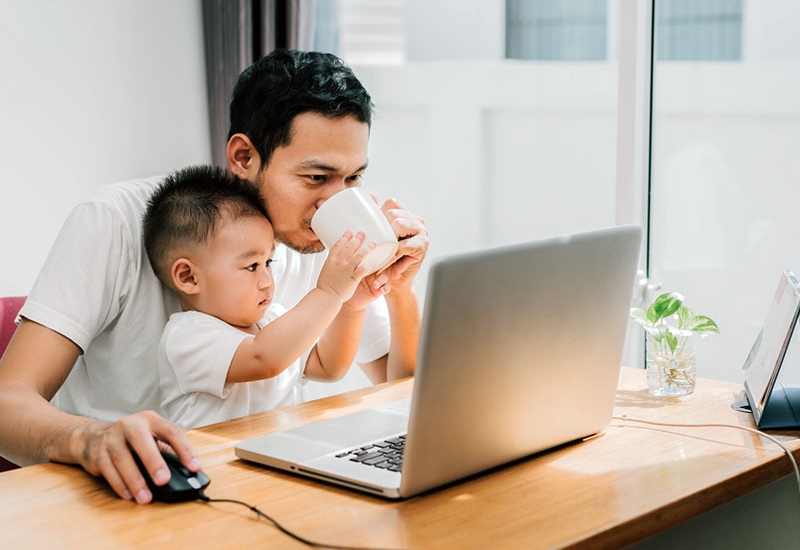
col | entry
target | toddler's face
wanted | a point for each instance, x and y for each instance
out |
(234, 270)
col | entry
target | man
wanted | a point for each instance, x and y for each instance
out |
(299, 131)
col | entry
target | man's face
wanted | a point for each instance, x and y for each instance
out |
(324, 156)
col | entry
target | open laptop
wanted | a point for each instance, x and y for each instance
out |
(519, 352)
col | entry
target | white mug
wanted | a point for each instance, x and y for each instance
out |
(352, 209)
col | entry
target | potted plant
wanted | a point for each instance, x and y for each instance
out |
(672, 328)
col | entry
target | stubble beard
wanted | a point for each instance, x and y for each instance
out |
(305, 248)
(287, 240)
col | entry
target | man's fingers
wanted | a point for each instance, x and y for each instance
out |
(110, 453)
(174, 439)
(404, 224)
(108, 470)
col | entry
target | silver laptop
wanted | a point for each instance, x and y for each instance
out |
(519, 352)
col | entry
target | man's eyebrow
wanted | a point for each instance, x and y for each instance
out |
(319, 165)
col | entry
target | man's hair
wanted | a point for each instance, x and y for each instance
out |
(187, 209)
(271, 92)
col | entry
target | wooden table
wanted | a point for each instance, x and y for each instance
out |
(629, 483)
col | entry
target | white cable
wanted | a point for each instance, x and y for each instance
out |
(759, 433)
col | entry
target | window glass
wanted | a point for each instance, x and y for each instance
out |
(556, 30)
(725, 168)
(699, 30)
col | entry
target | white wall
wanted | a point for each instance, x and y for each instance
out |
(769, 30)
(91, 92)
(455, 29)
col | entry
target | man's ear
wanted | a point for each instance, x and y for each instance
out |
(243, 159)
(183, 276)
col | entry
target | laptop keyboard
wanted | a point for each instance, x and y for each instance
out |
(386, 454)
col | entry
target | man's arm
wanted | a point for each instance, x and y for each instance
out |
(401, 300)
(333, 355)
(35, 365)
(404, 317)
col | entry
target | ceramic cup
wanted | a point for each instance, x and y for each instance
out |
(353, 209)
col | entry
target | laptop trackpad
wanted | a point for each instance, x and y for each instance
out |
(326, 436)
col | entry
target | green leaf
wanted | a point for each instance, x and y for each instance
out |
(672, 341)
(664, 306)
(703, 325)
(655, 319)
(685, 316)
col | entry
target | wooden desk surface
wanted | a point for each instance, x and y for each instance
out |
(626, 484)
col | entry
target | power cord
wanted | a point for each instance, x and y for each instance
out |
(300, 538)
(759, 433)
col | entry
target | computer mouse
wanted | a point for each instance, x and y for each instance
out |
(183, 484)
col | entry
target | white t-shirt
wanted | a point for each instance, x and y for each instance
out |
(97, 288)
(194, 355)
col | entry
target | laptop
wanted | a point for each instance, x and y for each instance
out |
(519, 352)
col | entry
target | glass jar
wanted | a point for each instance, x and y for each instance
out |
(671, 372)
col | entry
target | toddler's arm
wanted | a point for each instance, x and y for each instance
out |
(336, 349)
(285, 339)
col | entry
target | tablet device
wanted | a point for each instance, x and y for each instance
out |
(775, 405)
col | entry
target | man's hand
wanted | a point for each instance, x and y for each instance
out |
(412, 235)
(396, 281)
(34, 366)
(370, 288)
(107, 451)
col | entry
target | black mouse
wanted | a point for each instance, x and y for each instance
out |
(183, 484)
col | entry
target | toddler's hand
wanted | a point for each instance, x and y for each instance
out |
(342, 271)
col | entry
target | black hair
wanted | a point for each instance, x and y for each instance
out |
(271, 92)
(187, 208)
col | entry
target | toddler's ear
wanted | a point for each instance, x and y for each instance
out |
(183, 276)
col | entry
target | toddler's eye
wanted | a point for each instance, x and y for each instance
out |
(252, 267)
(270, 262)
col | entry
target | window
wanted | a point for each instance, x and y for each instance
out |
(362, 31)
(699, 30)
(556, 30)
(724, 164)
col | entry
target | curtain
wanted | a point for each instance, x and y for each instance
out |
(238, 32)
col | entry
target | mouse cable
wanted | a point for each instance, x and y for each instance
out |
(260, 514)
(787, 451)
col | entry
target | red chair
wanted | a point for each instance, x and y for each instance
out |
(9, 307)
